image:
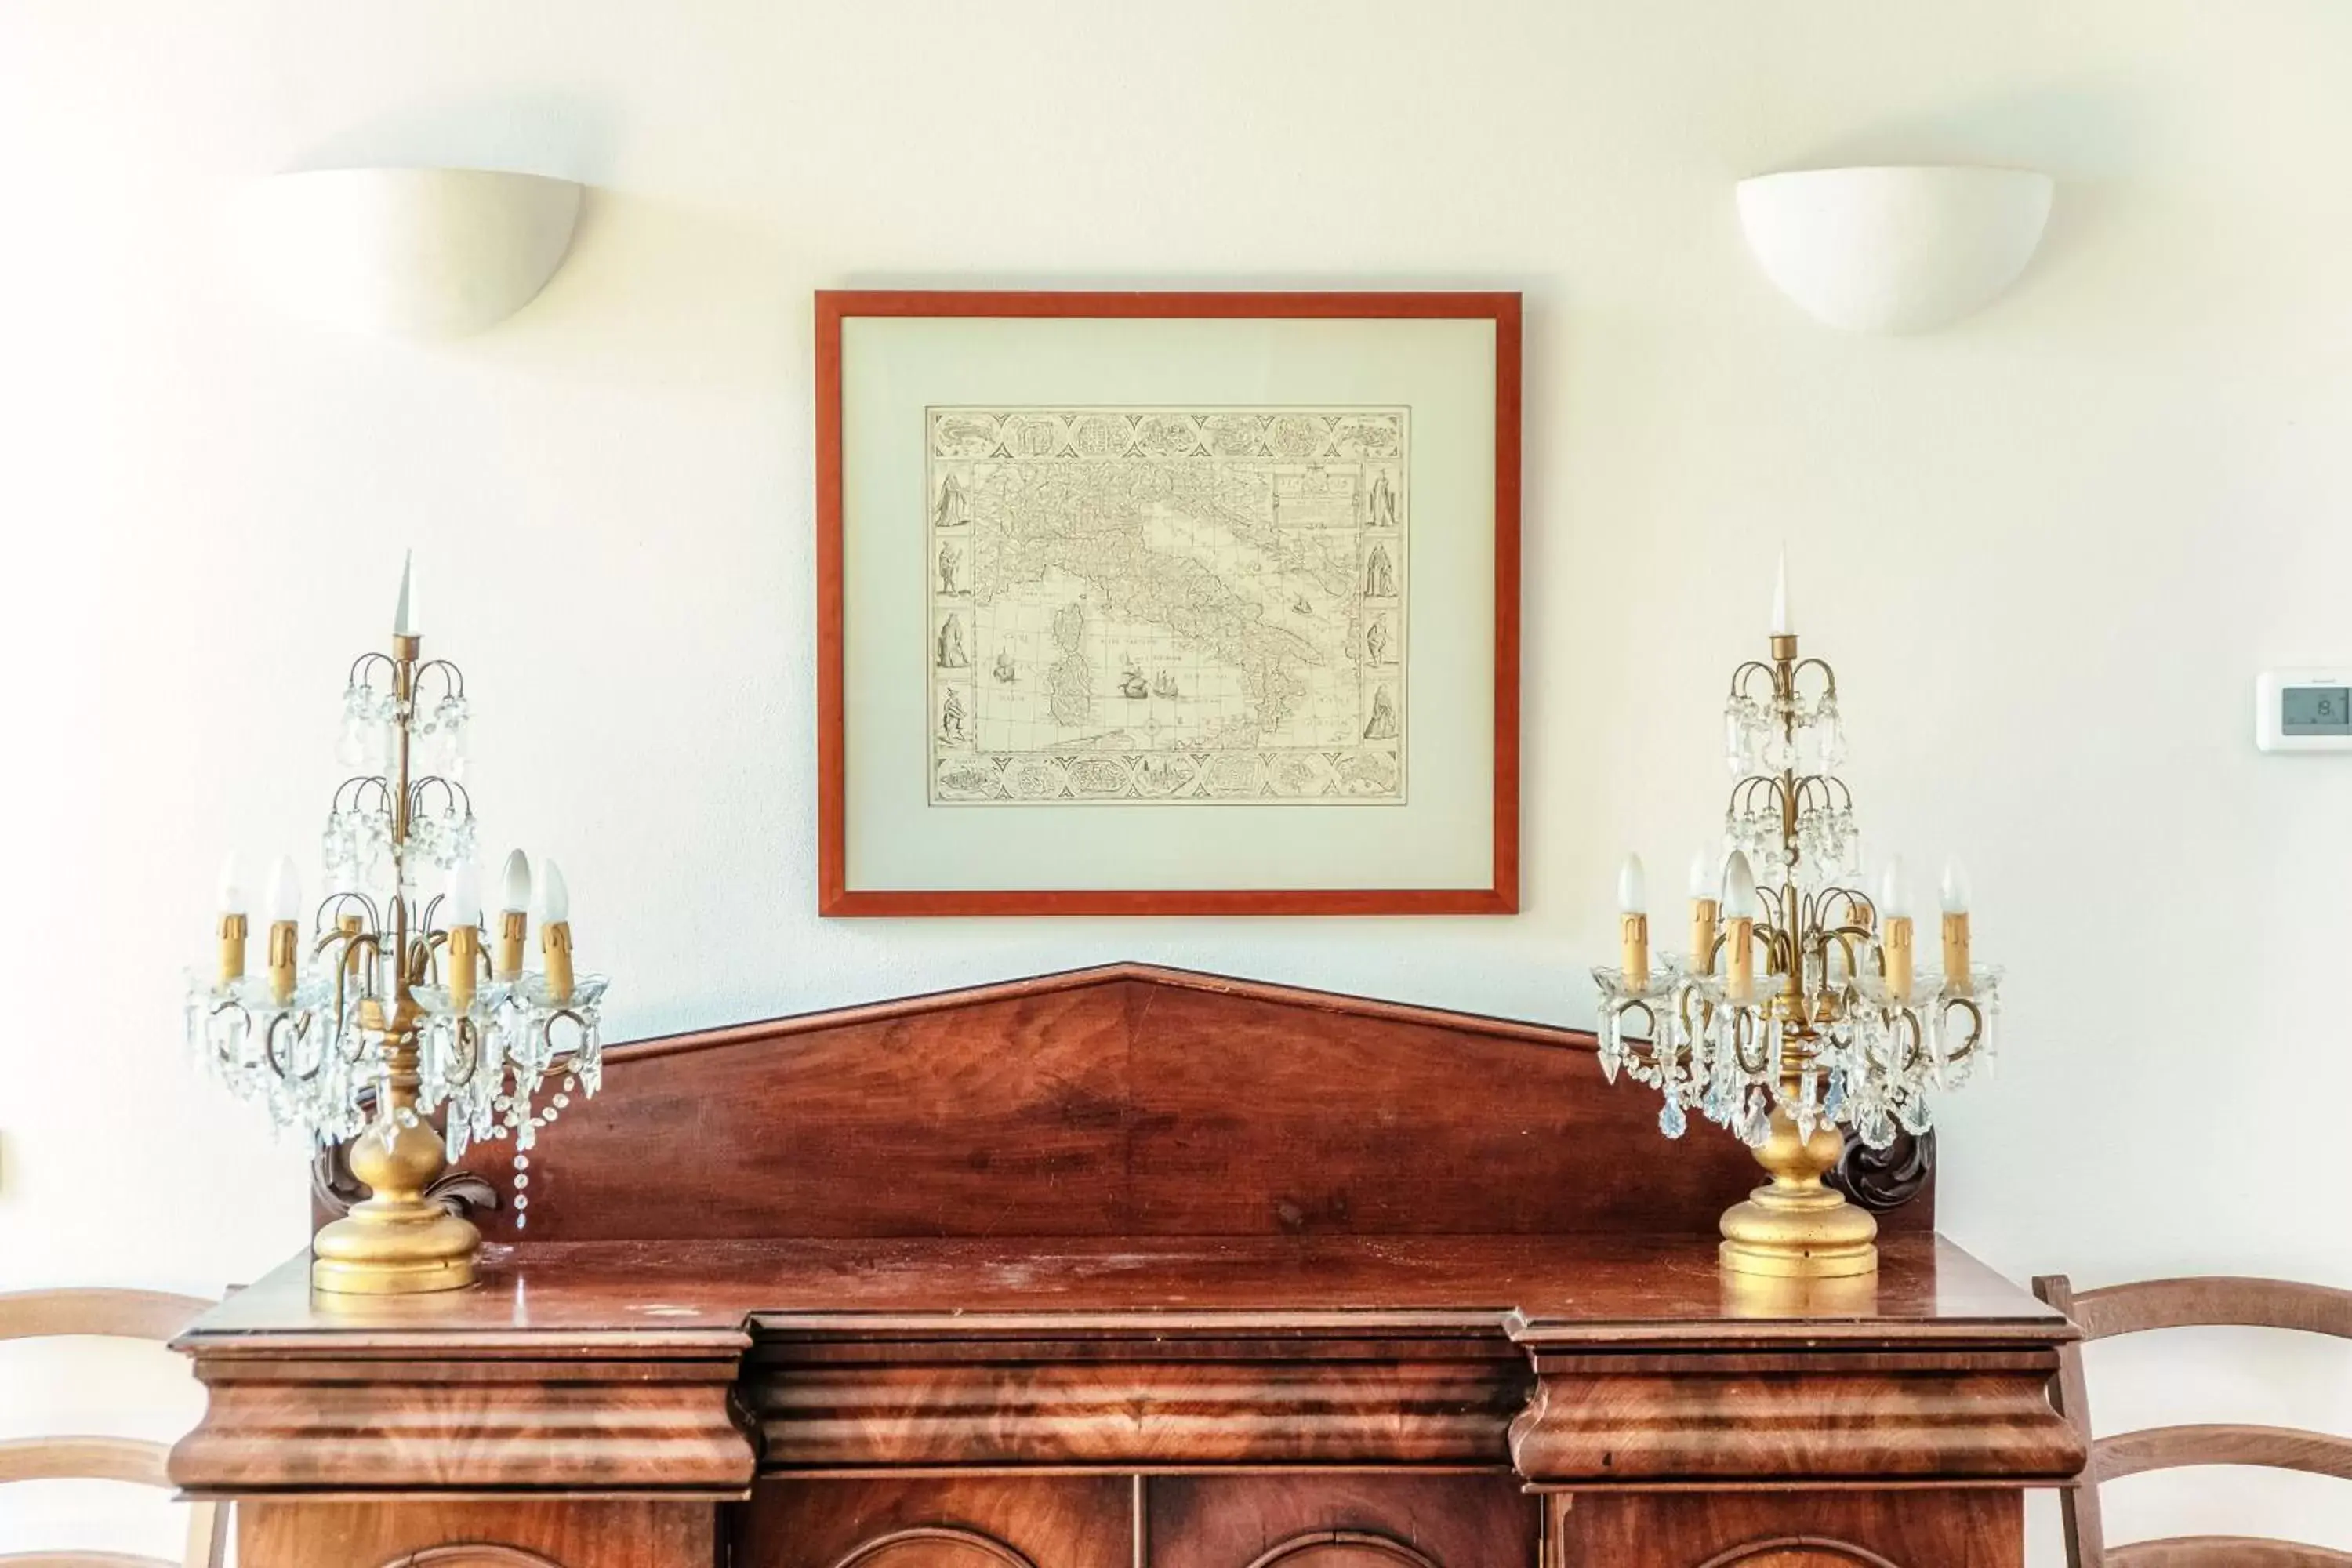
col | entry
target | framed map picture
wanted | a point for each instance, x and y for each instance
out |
(1168, 604)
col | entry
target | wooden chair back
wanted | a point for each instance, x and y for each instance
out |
(151, 1315)
(2211, 1302)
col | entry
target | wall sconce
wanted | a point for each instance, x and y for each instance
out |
(1894, 249)
(428, 253)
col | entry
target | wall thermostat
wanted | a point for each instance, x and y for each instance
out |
(2304, 710)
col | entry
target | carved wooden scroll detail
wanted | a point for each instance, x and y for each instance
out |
(1353, 1546)
(1883, 1180)
(1798, 1551)
(925, 1539)
(333, 1188)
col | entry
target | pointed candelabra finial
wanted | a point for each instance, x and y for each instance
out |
(404, 614)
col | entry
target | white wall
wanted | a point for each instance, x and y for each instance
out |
(2049, 548)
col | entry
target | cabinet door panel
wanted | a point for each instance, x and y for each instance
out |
(1922, 1529)
(532, 1533)
(1047, 1521)
(1366, 1520)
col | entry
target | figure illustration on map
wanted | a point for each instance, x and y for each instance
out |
(951, 649)
(954, 509)
(1383, 502)
(950, 562)
(951, 718)
(1380, 574)
(1375, 640)
(1382, 725)
(1002, 669)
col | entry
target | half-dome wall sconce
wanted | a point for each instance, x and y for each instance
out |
(1895, 249)
(424, 253)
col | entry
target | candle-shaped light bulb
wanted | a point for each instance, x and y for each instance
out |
(1782, 625)
(1632, 886)
(1739, 935)
(514, 902)
(1633, 924)
(1894, 930)
(555, 930)
(1703, 911)
(404, 613)
(1956, 887)
(285, 901)
(232, 921)
(463, 904)
(1738, 888)
(285, 927)
(514, 882)
(1958, 977)
(555, 897)
(464, 897)
(1893, 889)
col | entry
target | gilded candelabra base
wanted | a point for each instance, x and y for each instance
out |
(397, 1242)
(1794, 1227)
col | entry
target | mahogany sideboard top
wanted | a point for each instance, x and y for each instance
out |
(1123, 1221)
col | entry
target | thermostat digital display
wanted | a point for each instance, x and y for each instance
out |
(2304, 710)
(2315, 710)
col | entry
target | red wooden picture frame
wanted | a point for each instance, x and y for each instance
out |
(834, 896)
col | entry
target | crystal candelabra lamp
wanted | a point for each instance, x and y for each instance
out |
(1801, 1013)
(387, 1008)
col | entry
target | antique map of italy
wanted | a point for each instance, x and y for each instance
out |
(1178, 605)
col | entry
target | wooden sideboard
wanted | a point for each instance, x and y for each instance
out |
(1122, 1267)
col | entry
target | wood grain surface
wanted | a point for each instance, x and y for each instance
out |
(1122, 1101)
(964, 1522)
(509, 1533)
(1789, 1530)
(1338, 1522)
(2212, 1301)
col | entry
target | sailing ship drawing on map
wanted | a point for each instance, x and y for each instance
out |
(1205, 606)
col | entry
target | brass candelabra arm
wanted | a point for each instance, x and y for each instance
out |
(452, 798)
(1828, 676)
(1783, 673)
(1852, 942)
(451, 678)
(1740, 677)
(290, 1029)
(1963, 1053)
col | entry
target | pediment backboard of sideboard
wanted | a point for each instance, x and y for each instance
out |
(1122, 1100)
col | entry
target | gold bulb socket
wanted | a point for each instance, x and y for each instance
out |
(1633, 943)
(1739, 959)
(465, 967)
(512, 925)
(352, 926)
(232, 950)
(555, 946)
(285, 954)
(1956, 953)
(1702, 934)
(1896, 942)
(1784, 647)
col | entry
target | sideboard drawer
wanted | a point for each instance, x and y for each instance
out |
(1339, 1521)
(944, 1522)
(1922, 1528)
(520, 1534)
